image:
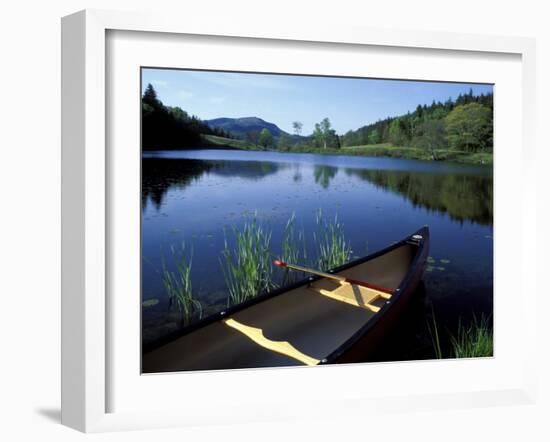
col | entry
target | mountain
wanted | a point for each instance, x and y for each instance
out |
(241, 126)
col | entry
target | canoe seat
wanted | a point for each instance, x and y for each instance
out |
(356, 295)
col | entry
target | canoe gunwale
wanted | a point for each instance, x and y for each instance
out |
(414, 268)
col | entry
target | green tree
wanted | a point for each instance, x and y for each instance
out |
(285, 141)
(374, 137)
(150, 97)
(317, 135)
(179, 113)
(469, 127)
(297, 126)
(434, 136)
(265, 139)
(398, 132)
(323, 133)
(253, 137)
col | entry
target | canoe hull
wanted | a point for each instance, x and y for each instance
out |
(313, 322)
(372, 337)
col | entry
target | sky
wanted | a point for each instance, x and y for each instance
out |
(349, 103)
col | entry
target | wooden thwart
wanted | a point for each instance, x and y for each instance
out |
(283, 347)
(357, 296)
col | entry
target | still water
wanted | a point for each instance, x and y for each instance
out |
(199, 196)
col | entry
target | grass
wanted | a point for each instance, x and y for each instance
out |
(221, 142)
(473, 341)
(247, 266)
(435, 337)
(293, 249)
(403, 152)
(416, 153)
(370, 150)
(333, 249)
(178, 285)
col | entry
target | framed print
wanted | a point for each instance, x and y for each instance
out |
(249, 214)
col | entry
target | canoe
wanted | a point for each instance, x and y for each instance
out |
(315, 321)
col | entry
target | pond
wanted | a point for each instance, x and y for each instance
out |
(198, 197)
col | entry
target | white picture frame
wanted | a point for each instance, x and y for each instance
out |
(87, 208)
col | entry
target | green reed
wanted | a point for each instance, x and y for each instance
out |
(293, 250)
(435, 337)
(473, 341)
(178, 284)
(332, 247)
(247, 266)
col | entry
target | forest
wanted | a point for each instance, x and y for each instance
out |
(165, 127)
(463, 124)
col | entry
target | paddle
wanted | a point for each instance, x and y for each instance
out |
(280, 263)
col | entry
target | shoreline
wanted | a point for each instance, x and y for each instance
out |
(372, 150)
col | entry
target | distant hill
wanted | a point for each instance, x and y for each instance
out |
(241, 126)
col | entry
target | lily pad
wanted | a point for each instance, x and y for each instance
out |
(430, 259)
(150, 302)
(445, 261)
(441, 269)
(429, 268)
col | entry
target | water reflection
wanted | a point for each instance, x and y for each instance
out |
(324, 174)
(158, 175)
(161, 174)
(464, 197)
(199, 196)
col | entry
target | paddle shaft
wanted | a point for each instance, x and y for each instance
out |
(331, 276)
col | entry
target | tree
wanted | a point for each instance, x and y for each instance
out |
(374, 137)
(317, 135)
(434, 136)
(469, 127)
(150, 97)
(253, 137)
(285, 141)
(398, 132)
(265, 139)
(297, 126)
(179, 113)
(323, 133)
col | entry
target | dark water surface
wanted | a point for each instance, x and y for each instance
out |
(196, 196)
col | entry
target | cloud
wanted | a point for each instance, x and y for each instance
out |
(160, 83)
(217, 100)
(242, 80)
(184, 95)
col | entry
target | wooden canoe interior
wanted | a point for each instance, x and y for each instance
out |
(299, 327)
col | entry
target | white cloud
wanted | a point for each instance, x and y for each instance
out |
(217, 100)
(160, 83)
(184, 95)
(241, 80)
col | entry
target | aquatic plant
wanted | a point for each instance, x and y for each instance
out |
(474, 341)
(178, 284)
(247, 261)
(332, 247)
(247, 266)
(435, 337)
(151, 302)
(293, 250)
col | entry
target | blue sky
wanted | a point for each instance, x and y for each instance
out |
(281, 99)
